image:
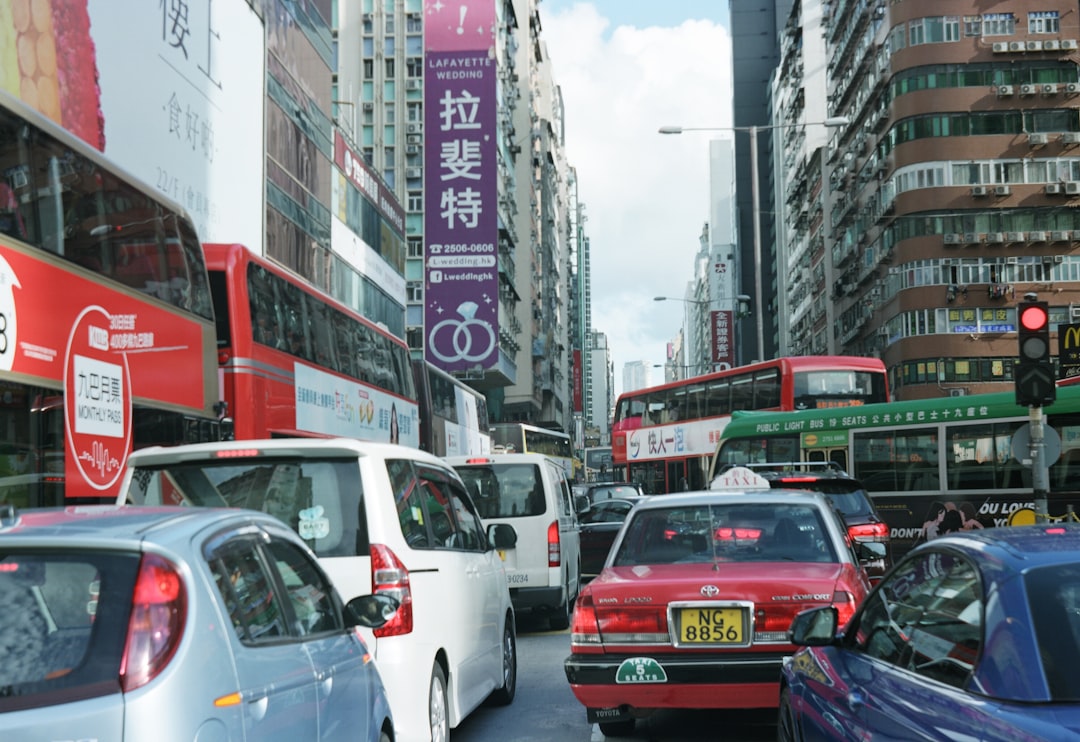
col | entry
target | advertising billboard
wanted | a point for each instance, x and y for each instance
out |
(461, 276)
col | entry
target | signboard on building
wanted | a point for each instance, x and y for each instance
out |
(1068, 351)
(461, 274)
(723, 339)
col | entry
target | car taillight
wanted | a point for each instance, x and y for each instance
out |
(844, 603)
(389, 576)
(869, 532)
(584, 630)
(554, 550)
(158, 616)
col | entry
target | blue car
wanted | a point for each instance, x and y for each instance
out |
(971, 636)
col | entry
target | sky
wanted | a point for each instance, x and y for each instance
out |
(626, 68)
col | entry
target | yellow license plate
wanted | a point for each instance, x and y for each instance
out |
(705, 625)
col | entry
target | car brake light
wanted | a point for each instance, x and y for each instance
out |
(876, 531)
(844, 603)
(554, 549)
(584, 629)
(389, 576)
(787, 480)
(236, 453)
(158, 615)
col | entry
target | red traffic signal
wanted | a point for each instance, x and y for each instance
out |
(1034, 316)
(1034, 373)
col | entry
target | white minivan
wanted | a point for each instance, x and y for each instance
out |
(382, 518)
(530, 493)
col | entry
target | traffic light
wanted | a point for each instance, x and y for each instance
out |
(1034, 374)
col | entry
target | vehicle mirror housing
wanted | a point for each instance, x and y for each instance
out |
(581, 504)
(502, 536)
(870, 550)
(814, 627)
(371, 611)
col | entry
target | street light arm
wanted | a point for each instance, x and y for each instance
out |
(832, 121)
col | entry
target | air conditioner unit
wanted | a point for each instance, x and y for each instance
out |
(1059, 258)
(953, 238)
(1002, 190)
(1015, 236)
(1034, 46)
(412, 149)
(414, 128)
(1001, 46)
(1070, 137)
(958, 392)
(1074, 312)
(1003, 90)
(996, 238)
(978, 190)
(413, 172)
(1053, 189)
(1069, 44)
(1016, 46)
(1051, 45)
(1012, 260)
(1072, 88)
(413, 84)
(1062, 236)
(1072, 187)
(1049, 88)
(369, 106)
(950, 261)
(1027, 89)
(1037, 138)
(973, 238)
(1036, 236)
(413, 139)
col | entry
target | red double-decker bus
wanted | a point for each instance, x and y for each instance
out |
(296, 362)
(666, 435)
(106, 322)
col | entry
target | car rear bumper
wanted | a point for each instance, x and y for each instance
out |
(735, 681)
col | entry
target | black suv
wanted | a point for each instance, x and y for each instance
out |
(847, 494)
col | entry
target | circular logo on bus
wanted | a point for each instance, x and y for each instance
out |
(810, 439)
(97, 405)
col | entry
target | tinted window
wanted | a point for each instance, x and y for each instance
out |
(1054, 599)
(505, 490)
(63, 625)
(322, 500)
(434, 510)
(310, 594)
(926, 617)
(248, 591)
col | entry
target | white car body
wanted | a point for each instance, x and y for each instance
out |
(462, 615)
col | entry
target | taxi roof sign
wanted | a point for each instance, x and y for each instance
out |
(740, 478)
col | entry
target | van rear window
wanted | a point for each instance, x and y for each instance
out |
(505, 490)
(320, 499)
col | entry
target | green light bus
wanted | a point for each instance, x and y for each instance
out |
(914, 457)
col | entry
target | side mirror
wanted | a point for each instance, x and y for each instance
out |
(371, 611)
(581, 503)
(502, 536)
(814, 627)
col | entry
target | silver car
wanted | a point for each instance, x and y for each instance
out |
(172, 623)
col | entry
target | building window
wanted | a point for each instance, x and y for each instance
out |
(1044, 21)
(369, 69)
(390, 69)
(415, 201)
(973, 25)
(414, 291)
(999, 24)
(414, 336)
(414, 67)
(416, 248)
(414, 113)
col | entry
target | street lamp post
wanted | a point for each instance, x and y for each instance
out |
(700, 303)
(755, 197)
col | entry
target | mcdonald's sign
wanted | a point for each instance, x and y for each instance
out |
(1068, 351)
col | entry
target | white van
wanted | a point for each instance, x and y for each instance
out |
(530, 493)
(382, 518)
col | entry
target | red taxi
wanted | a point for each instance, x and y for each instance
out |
(693, 605)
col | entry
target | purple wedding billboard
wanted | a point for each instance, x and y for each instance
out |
(461, 277)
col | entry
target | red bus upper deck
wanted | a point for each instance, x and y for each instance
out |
(665, 435)
(106, 322)
(296, 362)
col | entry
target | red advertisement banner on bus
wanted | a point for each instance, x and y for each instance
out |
(106, 349)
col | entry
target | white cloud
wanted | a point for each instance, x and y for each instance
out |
(645, 194)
